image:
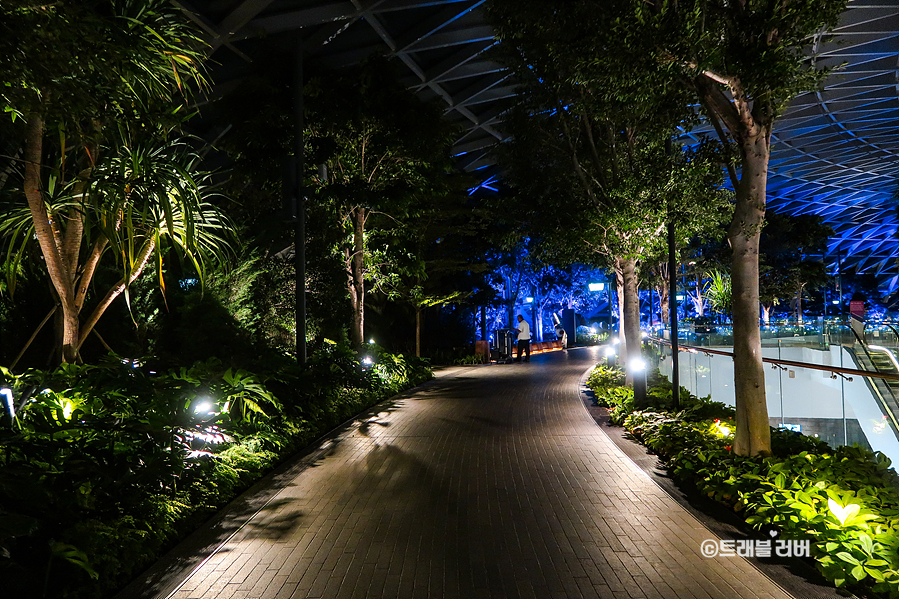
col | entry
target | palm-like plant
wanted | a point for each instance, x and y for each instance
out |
(720, 293)
(147, 196)
(74, 67)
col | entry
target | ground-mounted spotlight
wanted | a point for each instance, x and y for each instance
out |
(205, 408)
(637, 369)
(6, 392)
(610, 356)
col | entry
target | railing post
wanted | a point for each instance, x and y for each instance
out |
(780, 378)
(672, 319)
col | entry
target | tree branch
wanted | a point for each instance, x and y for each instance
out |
(116, 290)
(90, 266)
(717, 103)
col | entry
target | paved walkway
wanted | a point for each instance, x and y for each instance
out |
(490, 482)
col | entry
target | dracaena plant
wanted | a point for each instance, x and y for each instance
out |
(142, 198)
(74, 69)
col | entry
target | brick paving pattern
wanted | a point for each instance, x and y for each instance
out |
(490, 482)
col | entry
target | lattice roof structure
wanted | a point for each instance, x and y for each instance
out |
(835, 152)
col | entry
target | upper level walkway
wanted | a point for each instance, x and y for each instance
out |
(487, 482)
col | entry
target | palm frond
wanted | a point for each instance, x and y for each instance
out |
(154, 191)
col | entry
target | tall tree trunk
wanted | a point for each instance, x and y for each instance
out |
(750, 123)
(664, 304)
(510, 302)
(538, 325)
(49, 239)
(357, 278)
(631, 315)
(662, 290)
(766, 312)
(700, 301)
(753, 435)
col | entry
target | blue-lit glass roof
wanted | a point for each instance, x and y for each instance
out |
(835, 152)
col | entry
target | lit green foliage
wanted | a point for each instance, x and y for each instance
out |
(720, 293)
(79, 60)
(844, 500)
(106, 466)
(383, 159)
(608, 386)
(97, 87)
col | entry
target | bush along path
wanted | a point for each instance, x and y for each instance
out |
(103, 468)
(844, 500)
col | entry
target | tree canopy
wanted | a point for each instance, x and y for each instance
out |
(591, 154)
(383, 157)
(93, 89)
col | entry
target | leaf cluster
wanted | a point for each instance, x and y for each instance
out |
(784, 248)
(588, 149)
(844, 500)
(79, 62)
(104, 467)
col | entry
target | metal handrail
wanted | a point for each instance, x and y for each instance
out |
(832, 369)
(836, 369)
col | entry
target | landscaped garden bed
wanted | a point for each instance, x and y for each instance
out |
(845, 501)
(106, 467)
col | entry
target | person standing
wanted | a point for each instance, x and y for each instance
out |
(524, 339)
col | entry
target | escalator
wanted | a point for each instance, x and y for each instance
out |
(884, 360)
(875, 358)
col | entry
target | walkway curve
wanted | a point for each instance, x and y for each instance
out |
(489, 482)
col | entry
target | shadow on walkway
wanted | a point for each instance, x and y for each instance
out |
(491, 481)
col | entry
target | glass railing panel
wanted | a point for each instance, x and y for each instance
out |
(839, 408)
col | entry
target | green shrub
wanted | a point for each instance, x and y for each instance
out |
(105, 467)
(844, 500)
(470, 359)
(609, 391)
(602, 377)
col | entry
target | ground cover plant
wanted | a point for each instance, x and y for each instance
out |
(104, 467)
(845, 501)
